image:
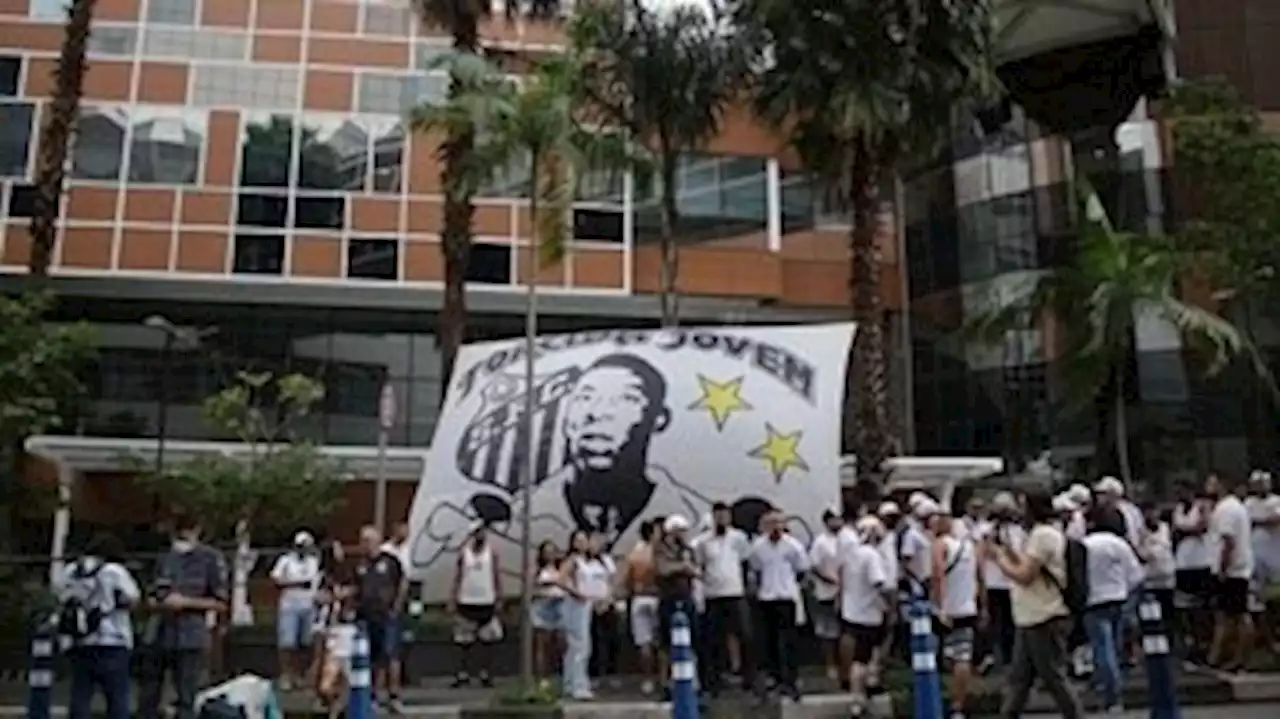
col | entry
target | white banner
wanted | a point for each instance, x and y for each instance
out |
(630, 425)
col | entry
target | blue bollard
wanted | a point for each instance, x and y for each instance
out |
(40, 676)
(924, 661)
(1161, 668)
(684, 670)
(360, 679)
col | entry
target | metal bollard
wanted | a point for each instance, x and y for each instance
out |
(1162, 680)
(360, 678)
(40, 676)
(924, 661)
(684, 671)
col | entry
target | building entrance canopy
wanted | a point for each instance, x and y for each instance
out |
(1031, 27)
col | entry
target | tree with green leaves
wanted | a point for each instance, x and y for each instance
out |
(861, 87)
(538, 120)
(1096, 297)
(1226, 173)
(41, 366)
(666, 77)
(279, 483)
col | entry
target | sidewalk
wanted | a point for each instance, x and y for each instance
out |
(437, 701)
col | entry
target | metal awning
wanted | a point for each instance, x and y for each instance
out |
(1030, 27)
(108, 454)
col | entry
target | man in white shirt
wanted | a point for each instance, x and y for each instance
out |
(913, 548)
(1232, 531)
(1110, 493)
(297, 575)
(957, 591)
(778, 559)
(1002, 529)
(1263, 505)
(1194, 557)
(866, 600)
(824, 562)
(720, 555)
(890, 515)
(1115, 573)
(104, 591)
(397, 545)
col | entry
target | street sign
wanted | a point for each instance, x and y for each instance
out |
(387, 408)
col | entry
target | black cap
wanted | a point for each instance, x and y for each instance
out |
(720, 507)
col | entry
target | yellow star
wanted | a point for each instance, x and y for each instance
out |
(781, 451)
(720, 399)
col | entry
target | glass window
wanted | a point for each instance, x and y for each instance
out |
(510, 181)
(99, 144)
(49, 9)
(373, 259)
(22, 201)
(173, 12)
(427, 54)
(259, 254)
(166, 145)
(320, 213)
(597, 225)
(262, 210)
(334, 154)
(115, 41)
(10, 72)
(266, 148)
(388, 155)
(490, 264)
(231, 86)
(397, 94)
(381, 18)
(15, 138)
(203, 44)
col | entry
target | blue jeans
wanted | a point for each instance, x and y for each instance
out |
(1105, 626)
(105, 668)
(576, 618)
(293, 627)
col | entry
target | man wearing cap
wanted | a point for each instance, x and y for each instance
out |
(1001, 529)
(1110, 492)
(866, 603)
(676, 567)
(824, 561)
(1231, 530)
(297, 575)
(721, 554)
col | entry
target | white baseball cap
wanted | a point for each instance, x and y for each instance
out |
(1063, 503)
(926, 508)
(869, 525)
(1004, 500)
(916, 498)
(889, 509)
(303, 539)
(1079, 494)
(1109, 485)
(675, 523)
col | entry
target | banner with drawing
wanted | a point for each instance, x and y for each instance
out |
(629, 425)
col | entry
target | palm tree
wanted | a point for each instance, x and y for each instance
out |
(1096, 298)
(667, 78)
(860, 86)
(55, 138)
(461, 19)
(539, 121)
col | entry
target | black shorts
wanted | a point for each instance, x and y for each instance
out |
(1233, 596)
(1197, 583)
(865, 638)
(382, 632)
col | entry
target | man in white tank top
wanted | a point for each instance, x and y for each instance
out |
(956, 588)
(477, 591)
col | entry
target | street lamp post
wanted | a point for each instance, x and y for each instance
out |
(174, 336)
(386, 421)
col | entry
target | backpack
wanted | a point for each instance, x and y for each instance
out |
(79, 615)
(1075, 592)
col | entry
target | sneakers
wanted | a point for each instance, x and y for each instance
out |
(486, 680)
(393, 705)
(583, 695)
(647, 687)
(461, 679)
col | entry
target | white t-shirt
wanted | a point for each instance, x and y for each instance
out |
(1114, 569)
(595, 578)
(1076, 526)
(960, 581)
(1231, 519)
(1266, 540)
(1134, 523)
(863, 584)
(1193, 552)
(1011, 534)
(915, 559)
(291, 568)
(888, 551)
(825, 560)
(720, 557)
(777, 562)
(1157, 550)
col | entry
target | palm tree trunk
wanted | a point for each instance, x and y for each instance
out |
(455, 236)
(868, 377)
(670, 271)
(57, 133)
(1122, 426)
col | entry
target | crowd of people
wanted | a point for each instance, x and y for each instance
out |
(1034, 586)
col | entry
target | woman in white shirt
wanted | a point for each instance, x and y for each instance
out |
(599, 575)
(477, 590)
(577, 611)
(548, 596)
(1115, 573)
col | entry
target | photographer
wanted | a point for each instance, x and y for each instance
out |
(1001, 529)
(96, 595)
(191, 581)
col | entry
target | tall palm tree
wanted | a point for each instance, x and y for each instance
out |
(1095, 298)
(860, 86)
(666, 76)
(56, 137)
(461, 19)
(539, 121)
